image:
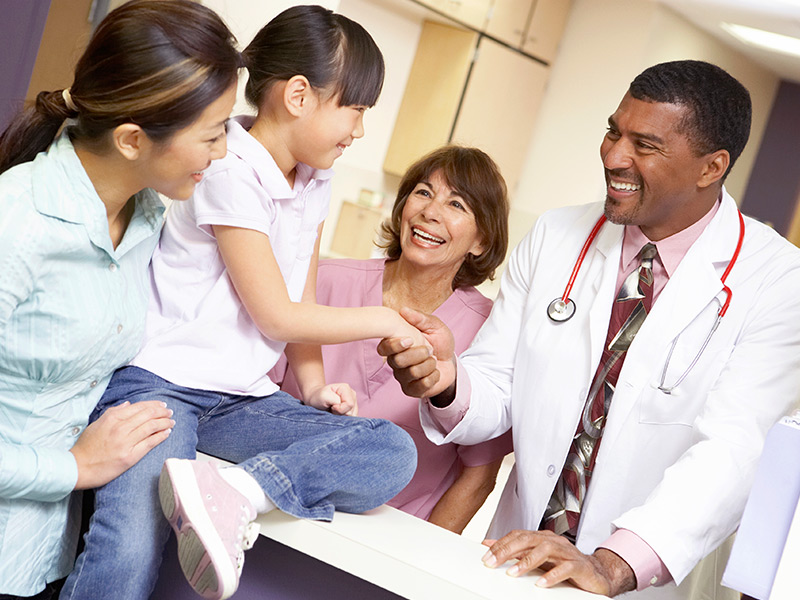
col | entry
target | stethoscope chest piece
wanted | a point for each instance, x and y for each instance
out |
(559, 310)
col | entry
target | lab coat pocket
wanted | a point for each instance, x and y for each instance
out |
(684, 375)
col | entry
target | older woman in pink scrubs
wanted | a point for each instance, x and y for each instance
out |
(448, 233)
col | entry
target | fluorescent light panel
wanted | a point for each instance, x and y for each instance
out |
(774, 42)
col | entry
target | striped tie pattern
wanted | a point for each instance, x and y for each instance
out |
(630, 308)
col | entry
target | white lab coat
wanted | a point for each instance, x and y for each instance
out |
(674, 469)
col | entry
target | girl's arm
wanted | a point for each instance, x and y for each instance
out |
(257, 278)
(305, 360)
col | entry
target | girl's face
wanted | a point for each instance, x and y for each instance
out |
(437, 227)
(327, 130)
(176, 167)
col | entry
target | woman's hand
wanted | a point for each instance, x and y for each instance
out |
(118, 440)
(338, 398)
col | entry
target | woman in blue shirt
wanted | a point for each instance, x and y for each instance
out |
(79, 221)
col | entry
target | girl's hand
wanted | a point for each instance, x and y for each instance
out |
(337, 398)
(118, 440)
(408, 331)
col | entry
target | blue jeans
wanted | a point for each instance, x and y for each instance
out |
(308, 462)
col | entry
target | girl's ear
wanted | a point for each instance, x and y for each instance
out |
(297, 95)
(129, 140)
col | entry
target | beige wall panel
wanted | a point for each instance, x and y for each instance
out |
(500, 106)
(432, 94)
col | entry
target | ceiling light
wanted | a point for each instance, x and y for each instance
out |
(764, 39)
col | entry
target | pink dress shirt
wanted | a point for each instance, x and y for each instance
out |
(355, 283)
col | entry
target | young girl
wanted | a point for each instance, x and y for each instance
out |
(232, 283)
(78, 224)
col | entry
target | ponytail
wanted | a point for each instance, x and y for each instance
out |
(33, 129)
(156, 63)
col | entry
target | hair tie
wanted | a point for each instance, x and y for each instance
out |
(68, 100)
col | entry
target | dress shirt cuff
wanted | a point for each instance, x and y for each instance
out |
(647, 566)
(450, 416)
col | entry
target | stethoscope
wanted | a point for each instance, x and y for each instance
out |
(563, 308)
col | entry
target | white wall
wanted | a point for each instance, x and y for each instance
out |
(605, 45)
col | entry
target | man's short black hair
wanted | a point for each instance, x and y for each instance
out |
(719, 106)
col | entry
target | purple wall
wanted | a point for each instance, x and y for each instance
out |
(774, 184)
(21, 31)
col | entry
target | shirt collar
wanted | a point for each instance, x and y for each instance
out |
(249, 149)
(672, 249)
(62, 189)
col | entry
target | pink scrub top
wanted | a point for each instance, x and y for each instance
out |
(354, 283)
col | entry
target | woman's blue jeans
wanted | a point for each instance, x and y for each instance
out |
(308, 462)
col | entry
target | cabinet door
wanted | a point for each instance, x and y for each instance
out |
(469, 12)
(433, 91)
(508, 20)
(500, 106)
(356, 231)
(546, 27)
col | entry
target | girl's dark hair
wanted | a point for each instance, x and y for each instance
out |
(328, 49)
(156, 63)
(476, 178)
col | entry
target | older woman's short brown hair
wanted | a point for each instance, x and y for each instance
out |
(476, 178)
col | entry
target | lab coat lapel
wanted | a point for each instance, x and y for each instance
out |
(689, 291)
(603, 288)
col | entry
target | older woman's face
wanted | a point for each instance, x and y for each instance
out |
(437, 227)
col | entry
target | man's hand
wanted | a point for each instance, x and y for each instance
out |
(420, 374)
(338, 398)
(600, 573)
(118, 440)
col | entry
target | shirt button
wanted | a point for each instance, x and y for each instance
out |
(76, 430)
(93, 384)
(119, 328)
(654, 580)
(551, 470)
(112, 267)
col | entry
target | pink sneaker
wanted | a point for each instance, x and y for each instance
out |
(212, 521)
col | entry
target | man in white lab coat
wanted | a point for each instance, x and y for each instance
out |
(666, 479)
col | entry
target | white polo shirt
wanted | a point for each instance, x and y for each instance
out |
(198, 333)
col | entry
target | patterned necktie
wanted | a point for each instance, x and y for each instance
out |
(627, 315)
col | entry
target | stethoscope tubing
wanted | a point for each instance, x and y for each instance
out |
(563, 308)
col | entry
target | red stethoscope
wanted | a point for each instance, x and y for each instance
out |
(563, 308)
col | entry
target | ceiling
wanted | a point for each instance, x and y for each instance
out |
(777, 16)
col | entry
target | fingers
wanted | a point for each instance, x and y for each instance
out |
(391, 346)
(422, 321)
(555, 554)
(347, 404)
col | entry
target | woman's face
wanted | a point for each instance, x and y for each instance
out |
(437, 227)
(175, 168)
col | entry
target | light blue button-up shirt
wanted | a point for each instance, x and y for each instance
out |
(72, 310)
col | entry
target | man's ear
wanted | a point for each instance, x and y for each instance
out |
(716, 164)
(298, 95)
(130, 140)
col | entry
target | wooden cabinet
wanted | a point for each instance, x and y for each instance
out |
(356, 230)
(488, 99)
(433, 92)
(500, 105)
(508, 20)
(545, 27)
(533, 26)
(469, 12)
